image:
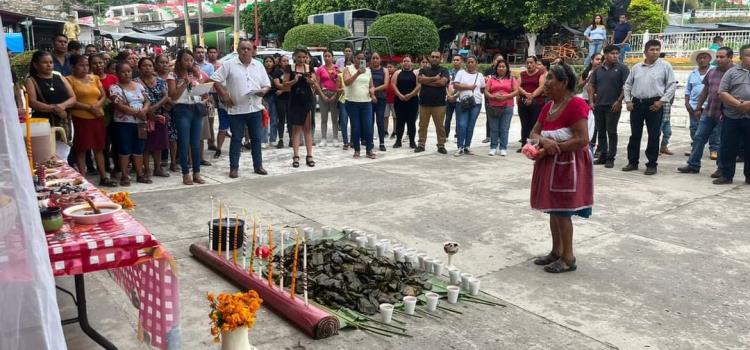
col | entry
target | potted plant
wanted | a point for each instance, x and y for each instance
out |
(232, 315)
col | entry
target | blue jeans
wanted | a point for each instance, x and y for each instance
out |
(189, 123)
(733, 133)
(693, 127)
(624, 48)
(361, 116)
(269, 133)
(378, 111)
(466, 121)
(237, 124)
(666, 132)
(499, 119)
(343, 123)
(450, 107)
(708, 128)
(595, 46)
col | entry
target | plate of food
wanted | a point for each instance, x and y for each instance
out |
(61, 182)
(92, 212)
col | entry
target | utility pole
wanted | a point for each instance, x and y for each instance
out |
(257, 25)
(188, 35)
(236, 24)
(201, 41)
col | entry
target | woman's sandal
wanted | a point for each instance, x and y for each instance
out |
(107, 182)
(356, 155)
(161, 173)
(187, 179)
(198, 179)
(547, 259)
(143, 180)
(309, 161)
(560, 266)
(174, 168)
(295, 162)
(124, 181)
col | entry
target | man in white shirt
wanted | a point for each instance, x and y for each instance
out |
(241, 83)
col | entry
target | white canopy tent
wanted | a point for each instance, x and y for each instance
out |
(30, 317)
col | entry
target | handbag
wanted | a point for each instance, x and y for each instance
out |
(468, 102)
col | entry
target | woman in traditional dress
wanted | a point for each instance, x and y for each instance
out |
(562, 184)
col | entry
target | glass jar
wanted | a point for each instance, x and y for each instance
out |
(52, 219)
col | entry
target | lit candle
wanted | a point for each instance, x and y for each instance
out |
(236, 233)
(304, 270)
(294, 267)
(219, 250)
(270, 257)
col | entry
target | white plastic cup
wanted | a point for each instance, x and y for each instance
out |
(421, 257)
(432, 301)
(386, 312)
(309, 233)
(371, 240)
(453, 294)
(474, 286)
(386, 244)
(411, 250)
(326, 230)
(437, 267)
(412, 259)
(465, 280)
(347, 230)
(428, 264)
(397, 245)
(361, 241)
(410, 303)
(356, 233)
(380, 249)
(398, 254)
(455, 276)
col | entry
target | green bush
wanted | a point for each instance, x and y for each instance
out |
(20, 64)
(313, 35)
(407, 33)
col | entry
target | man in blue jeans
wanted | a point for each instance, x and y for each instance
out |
(242, 82)
(734, 92)
(709, 125)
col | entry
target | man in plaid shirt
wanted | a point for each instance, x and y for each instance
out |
(710, 117)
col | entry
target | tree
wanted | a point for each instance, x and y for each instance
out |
(646, 15)
(531, 15)
(275, 17)
(313, 35)
(407, 33)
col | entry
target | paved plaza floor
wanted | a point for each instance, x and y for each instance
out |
(664, 263)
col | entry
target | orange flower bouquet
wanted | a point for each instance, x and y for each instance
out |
(232, 311)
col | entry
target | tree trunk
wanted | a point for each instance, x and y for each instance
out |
(531, 37)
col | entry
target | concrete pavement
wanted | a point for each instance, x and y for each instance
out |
(663, 263)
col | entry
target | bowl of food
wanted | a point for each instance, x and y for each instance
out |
(85, 214)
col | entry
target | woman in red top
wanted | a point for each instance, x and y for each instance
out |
(390, 98)
(530, 98)
(562, 184)
(500, 90)
(329, 99)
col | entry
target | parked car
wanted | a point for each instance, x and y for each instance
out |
(260, 55)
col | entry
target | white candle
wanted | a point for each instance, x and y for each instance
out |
(281, 273)
(244, 242)
(226, 207)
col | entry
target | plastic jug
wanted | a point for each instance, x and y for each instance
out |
(43, 139)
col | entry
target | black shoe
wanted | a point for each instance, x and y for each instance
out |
(217, 154)
(412, 145)
(650, 170)
(600, 162)
(610, 164)
(419, 149)
(382, 148)
(205, 163)
(740, 159)
(442, 150)
(393, 136)
(260, 171)
(723, 181)
(397, 144)
(688, 170)
(716, 174)
(747, 180)
(630, 167)
(280, 144)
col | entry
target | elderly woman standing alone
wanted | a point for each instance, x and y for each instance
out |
(562, 184)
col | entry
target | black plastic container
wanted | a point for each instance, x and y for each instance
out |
(227, 233)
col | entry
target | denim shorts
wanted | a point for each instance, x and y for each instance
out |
(223, 120)
(126, 136)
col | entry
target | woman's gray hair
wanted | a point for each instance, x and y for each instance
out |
(564, 72)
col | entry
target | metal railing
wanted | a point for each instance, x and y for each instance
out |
(722, 13)
(684, 43)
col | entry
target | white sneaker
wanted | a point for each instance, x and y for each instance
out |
(492, 152)
(503, 152)
(322, 143)
(458, 153)
(334, 142)
(265, 145)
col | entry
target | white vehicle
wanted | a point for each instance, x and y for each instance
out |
(261, 54)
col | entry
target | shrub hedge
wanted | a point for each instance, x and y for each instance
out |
(313, 35)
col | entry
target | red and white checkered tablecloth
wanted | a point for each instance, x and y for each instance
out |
(134, 259)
